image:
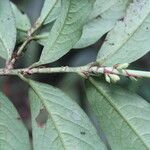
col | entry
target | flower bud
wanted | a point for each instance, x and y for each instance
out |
(122, 66)
(107, 78)
(114, 77)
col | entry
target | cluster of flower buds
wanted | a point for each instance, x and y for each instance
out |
(110, 77)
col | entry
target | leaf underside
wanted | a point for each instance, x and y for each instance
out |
(7, 30)
(47, 11)
(54, 13)
(13, 134)
(58, 122)
(123, 116)
(66, 30)
(102, 19)
(129, 39)
(22, 23)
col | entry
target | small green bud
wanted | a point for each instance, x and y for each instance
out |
(114, 77)
(107, 78)
(122, 66)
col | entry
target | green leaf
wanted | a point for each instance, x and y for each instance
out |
(58, 122)
(129, 39)
(101, 6)
(7, 30)
(123, 116)
(13, 134)
(102, 20)
(42, 36)
(49, 11)
(67, 29)
(22, 23)
(54, 13)
(22, 20)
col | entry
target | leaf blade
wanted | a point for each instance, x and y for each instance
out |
(22, 23)
(127, 35)
(48, 7)
(66, 30)
(8, 30)
(102, 20)
(13, 134)
(54, 13)
(126, 115)
(67, 123)
(101, 6)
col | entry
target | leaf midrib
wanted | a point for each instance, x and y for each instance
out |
(64, 23)
(110, 101)
(50, 114)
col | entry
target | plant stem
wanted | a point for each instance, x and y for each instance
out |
(84, 71)
(40, 37)
(11, 62)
